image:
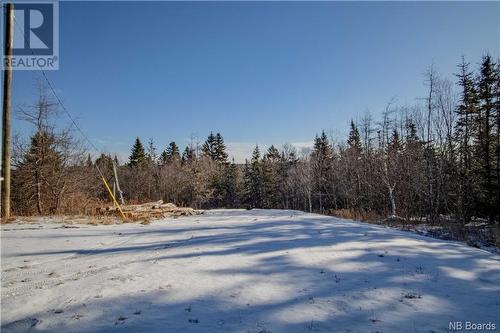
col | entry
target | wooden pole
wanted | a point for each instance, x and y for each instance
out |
(113, 197)
(114, 189)
(7, 88)
(118, 183)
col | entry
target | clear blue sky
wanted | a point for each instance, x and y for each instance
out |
(258, 72)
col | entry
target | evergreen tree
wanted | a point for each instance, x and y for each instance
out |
(321, 159)
(215, 148)
(412, 135)
(163, 158)
(246, 192)
(138, 155)
(352, 157)
(188, 154)
(497, 140)
(208, 147)
(411, 170)
(173, 151)
(219, 149)
(271, 178)
(465, 131)
(395, 142)
(322, 148)
(253, 180)
(486, 95)
(273, 154)
(231, 186)
(354, 140)
(38, 174)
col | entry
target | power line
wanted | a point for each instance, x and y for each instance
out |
(59, 101)
(76, 126)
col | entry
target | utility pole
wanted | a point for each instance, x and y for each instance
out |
(117, 183)
(7, 87)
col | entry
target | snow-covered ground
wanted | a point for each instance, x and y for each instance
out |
(241, 271)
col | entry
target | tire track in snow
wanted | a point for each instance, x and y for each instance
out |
(17, 273)
(30, 286)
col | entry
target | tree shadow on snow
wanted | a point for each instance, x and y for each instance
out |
(288, 272)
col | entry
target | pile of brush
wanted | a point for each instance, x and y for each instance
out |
(149, 210)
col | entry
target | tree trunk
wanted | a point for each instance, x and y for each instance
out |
(310, 202)
(39, 197)
(393, 202)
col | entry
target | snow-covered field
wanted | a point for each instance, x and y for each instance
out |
(241, 271)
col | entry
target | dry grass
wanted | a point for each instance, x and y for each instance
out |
(355, 214)
(142, 213)
(446, 227)
(65, 219)
(7, 221)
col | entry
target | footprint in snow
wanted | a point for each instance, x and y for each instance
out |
(120, 320)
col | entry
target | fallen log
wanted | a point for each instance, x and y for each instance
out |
(149, 210)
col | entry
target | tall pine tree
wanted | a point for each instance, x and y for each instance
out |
(138, 155)
(208, 148)
(465, 132)
(486, 96)
(354, 139)
(219, 149)
(321, 159)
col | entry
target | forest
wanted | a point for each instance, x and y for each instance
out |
(438, 159)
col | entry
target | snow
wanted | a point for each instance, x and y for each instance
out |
(241, 271)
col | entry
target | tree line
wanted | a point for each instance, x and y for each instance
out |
(440, 157)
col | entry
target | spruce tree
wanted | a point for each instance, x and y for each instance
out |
(188, 154)
(486, 96)
(465, 131)
(173, 150)
(321, 159)
(37, 173)
(231, 186)
(271, 164)
(354, 140)
(497, 140)
(208, 148)
(138, 155)
(171, 153)
(246, 192)
(255, 190)
(273, 154)
(215, 148)
(219, 149)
